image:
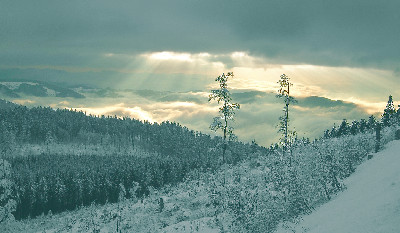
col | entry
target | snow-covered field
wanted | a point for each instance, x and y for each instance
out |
(371, 202)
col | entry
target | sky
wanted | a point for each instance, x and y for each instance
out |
(157, 60)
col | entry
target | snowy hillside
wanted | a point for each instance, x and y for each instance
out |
(371, 202)
(64, 171)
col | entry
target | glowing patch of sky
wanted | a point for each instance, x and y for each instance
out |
(367, 87)
(135, 112)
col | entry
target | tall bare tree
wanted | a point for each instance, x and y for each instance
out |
(226, 110)
(284, 93)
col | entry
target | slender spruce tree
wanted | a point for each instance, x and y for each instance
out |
(226, 110)
(284, 93)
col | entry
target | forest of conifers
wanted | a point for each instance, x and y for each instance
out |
(127, 152)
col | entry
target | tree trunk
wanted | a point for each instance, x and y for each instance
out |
(224, 147)
(378, 137)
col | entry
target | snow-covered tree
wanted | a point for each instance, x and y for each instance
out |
(284, 93)
(362, 125)
(378, 136)
(226, 111)
(389, 112)
(398, 114)
(333, 132)
(371, 122)
(343, 128)
(354, 127)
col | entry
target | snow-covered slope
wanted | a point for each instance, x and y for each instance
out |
(371, 202)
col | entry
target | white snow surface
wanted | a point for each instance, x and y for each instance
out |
(371, 202)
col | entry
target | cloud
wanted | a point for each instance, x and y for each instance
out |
(168, 96)
(250, 96)
(364, 89)
(183, 71)
(75, 33)
(24, 101)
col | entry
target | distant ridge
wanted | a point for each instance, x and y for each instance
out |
(15, 89)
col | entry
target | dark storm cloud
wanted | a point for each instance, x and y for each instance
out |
(350, 33)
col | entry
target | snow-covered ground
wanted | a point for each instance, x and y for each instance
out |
(371, 202)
